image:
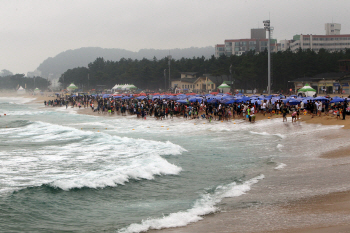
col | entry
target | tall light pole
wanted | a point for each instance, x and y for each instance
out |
(169, 59)
(164, 79)
(88, 82)
(268, 29)
(231, 77)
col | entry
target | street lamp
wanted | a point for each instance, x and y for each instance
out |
(169, 59)
(231, 76)
(268, 29)
(164, 79)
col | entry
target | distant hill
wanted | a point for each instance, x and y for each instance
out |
(83, 56)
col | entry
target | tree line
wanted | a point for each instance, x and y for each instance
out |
(13, 82)
(249, 70)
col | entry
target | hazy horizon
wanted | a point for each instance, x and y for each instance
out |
(35, 30)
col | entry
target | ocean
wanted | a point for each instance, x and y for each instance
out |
(61, 171)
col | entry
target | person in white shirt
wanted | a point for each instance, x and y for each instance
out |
(319, 108)
(263, 107)
(277, 108)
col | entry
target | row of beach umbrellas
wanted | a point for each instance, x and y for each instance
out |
(225, 98)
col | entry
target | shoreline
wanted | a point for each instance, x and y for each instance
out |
(334, 204)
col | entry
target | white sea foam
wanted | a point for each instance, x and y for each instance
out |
(16, 100)
(280, 166)
(268, 134)
(279, 147)
(204, 205)
(68, 158)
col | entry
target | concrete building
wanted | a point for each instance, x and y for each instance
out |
(332, 28)
(257, 43)
(185, 83)
(333, 41)
(328, 83)
(192, 82)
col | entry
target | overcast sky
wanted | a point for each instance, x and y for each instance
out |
(33, 30)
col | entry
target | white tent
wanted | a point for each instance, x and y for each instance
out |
(124, 87)
(21, 90)
(116, 87)
(36, 90)
(224, 87)
(72, 87)
(307, 90)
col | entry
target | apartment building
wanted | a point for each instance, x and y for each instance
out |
(257, 43)
(333, 41)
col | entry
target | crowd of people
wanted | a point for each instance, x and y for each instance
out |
(163, 108)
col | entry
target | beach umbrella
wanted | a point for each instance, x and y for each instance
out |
(321, 98)
(255, 101)
(230, 101)
(337, 100)
(293, 102)
(212, 101)
(182, 101)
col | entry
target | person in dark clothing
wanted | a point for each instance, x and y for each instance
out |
(345, 104)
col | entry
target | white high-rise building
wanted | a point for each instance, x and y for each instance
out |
(333, 41)
(332, 28)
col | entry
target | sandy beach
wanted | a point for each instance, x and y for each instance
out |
(307, 215)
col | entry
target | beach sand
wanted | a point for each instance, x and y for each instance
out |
(321, 213)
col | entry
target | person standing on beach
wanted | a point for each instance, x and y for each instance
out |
(263, 108)
(345, 104)
(284, 112)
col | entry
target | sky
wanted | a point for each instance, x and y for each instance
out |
(33, 30)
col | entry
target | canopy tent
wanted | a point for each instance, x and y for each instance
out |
(124, 87)
(72, 87)
(307, 90)
(36, 90)
(224, 87)
(116, 87)
(21, 90)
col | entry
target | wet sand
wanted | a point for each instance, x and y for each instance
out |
(329, 212)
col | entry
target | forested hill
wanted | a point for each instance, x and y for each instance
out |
(83, 56)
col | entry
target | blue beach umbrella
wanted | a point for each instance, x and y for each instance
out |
(182, 101)
(293, 101)
(337, 100)
(231, 101)
(320, 98)
(255, 101)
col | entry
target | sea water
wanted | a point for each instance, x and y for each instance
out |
(64, 171)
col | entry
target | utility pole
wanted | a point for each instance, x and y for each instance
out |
(164, 79)
(268, 29)
(169, 59)
(231, 77)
